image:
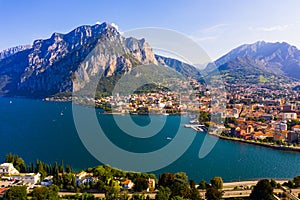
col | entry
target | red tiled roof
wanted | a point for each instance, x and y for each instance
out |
(3, 190)
(126, 182)
(296, 126)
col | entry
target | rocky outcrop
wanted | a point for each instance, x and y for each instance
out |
(49, 66)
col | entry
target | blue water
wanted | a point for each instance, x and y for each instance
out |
(41, 130)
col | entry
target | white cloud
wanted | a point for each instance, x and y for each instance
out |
(203, 39)
(271, 28)
(213, 29)
(208, 34)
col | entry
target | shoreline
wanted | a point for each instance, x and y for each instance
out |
(251, 142)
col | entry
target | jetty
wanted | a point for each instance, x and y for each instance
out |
(196, 127)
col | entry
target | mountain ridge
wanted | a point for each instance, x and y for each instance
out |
(279, 57)
(48, 66)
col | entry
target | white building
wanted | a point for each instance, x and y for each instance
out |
(289, 115)
(280, 126)
(30, 178)
(127, 184)
(84, 177)
(151, 185)
(8, 168)
(47, 181)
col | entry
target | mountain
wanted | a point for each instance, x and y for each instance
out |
(181, 67)
(11, 51)
(279, 59)
(49, 66)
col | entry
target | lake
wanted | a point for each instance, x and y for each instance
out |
(42, 130)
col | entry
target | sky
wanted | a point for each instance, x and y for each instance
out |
(216, 25)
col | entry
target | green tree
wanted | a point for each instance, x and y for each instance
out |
(213, 193)
(40, 168)
(166, 179)
(16, 192)
(140, 184)
(40, 193)
(69, 181)
(69, 169)
(204, 116)
(217, 182)
(86, 196)
(53, 192)
(163, 193)
(194, 193)
(273, 183)
(180, 186)
(289, 184)
(202, 185)
(180, 189)
(18, 162)
(179, 198)
(297, 181)
(181, 177)
(112, 190)
(123, 196)
(262, 191)
(137, 197)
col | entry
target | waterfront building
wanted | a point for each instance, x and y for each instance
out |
(294, 137)
(27, 178)
(8, 169)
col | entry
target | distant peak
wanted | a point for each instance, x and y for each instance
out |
(259, 43)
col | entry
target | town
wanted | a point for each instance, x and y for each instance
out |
(266, 113)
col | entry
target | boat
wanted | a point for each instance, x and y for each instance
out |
(168, 138)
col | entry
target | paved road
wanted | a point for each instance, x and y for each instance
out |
(101, 195)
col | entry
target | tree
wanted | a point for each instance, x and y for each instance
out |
(217, 182)
(124, 196)
(140, 184)
(40, 169)
(163, 193)
(18, 162)
(194, 193)
(166, 179)
(86, 196)
(179, 198)
(262, 191)
(69, 181)
(112, 190)
(40, 193)
(181, 177)
(202, 185)
(204, 116)
(53, 192)
(69, 169)
(213, 193)
(16, 192)
(137, 197)
(180, 189)
(61, 167)
(273, 183)
(297, 181)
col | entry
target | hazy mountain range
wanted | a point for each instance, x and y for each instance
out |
(47, 67)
